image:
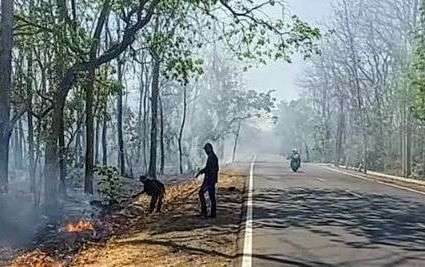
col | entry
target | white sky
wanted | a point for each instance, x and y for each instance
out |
(281, 76)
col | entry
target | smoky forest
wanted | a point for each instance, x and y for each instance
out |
(95, 94)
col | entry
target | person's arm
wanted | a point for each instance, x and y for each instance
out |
(207, 168)
(200, 172)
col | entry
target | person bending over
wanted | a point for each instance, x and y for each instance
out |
(156, 190)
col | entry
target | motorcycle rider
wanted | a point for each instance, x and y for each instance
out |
(295, 156)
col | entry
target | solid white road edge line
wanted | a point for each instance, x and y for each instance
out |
(379, 182)
(247, 246)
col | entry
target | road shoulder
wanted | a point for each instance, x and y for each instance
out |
(415, 186)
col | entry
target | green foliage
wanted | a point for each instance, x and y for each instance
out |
(417, 71)
(297, 125)
(110, 186)
(182, 69)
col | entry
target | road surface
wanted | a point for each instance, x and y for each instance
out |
(318, 217)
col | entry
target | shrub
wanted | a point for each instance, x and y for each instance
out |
(110, 186)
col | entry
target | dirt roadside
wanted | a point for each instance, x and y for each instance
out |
(176, 237)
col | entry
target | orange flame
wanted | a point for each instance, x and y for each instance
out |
(81, 226)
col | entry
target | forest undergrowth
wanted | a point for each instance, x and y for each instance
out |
(175, 237)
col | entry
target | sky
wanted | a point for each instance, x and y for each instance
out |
(281, 76)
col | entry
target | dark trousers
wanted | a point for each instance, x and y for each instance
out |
(210, 188)
(157, 198)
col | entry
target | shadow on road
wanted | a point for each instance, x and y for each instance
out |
(377, 219)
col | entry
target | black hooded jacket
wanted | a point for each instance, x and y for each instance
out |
(153, 187)
(211, 169)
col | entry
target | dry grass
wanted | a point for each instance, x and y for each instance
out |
(176, 237)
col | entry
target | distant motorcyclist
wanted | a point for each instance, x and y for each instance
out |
(295, 160)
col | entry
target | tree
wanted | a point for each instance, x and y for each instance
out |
(358, 87)
(417, 70)
(79, 33)
(90, 79)
(6, 126)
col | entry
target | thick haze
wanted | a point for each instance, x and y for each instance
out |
(282, 76)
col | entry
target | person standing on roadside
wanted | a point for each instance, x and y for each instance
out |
(210, 180)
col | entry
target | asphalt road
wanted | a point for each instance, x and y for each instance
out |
(318, 217)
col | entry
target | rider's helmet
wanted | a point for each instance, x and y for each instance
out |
(294, 150)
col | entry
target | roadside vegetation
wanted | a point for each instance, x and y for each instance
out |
(363, 99)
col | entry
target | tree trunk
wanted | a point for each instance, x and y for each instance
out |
(145, 123)
(89, 166)
(16, 148)
(236, 141)
(121, 156)
(423, 153)
(161, 135)
(104, 137)
(140, 117)
(409, 147)
(51, 166)
(62, 162)
(30, 124)
(221, 148)
(307, 153)
(78, 145)
(182, 128)
(154, 118)
(340, 132)
(96, 145)
(365, 154)
(6, 40)
(21, 143)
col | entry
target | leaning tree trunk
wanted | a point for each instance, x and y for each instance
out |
(121, 157)
(182, 129)
(6, 39)
(236, 141)
(154, 118)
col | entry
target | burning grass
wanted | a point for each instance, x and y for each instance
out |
(81, 226)
(176, 237)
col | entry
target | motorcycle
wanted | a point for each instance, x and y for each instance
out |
(295, 162)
